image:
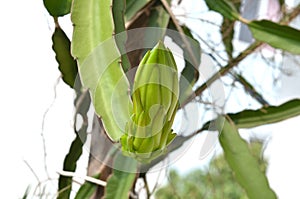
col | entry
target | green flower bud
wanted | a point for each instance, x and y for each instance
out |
(155, 102)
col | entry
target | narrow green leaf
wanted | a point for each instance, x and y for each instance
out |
(26, 194)
(98, 58)
(133, 7)
(120, 182)
(87, 189)
(70, 161)
(250, 89)
(276, 35)
(243, 164)
(57, 8)
(263, 116)
(62, 49)
(227, 30)
(224, 7)
(268, 115)
(118, 10)
(158, 18)
(64, 182)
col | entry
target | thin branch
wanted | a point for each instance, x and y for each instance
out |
(223, 71)
(180, 30)
(146, 186)
(197, 18)
(291, 16)
(247, 87)
(31, 169)
(33, 172)
(86, 178)
(43, 125)
(234, 62)
(156, 183)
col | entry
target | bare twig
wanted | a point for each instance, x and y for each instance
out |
(146, 186)
(86, 178)
(180, 30)
(247, 87)
(43, 125)
(31, 169)
(223, 71)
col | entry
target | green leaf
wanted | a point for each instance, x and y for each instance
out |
(120, 182)
(133, 6)
(268, 115)
(224, 7)
(62, 49)
(243, 164)
(118, 9)
(250, 89)
(276, 35)
(57, 8)
(98, 58)
(70, 161)
(263, 116)
(158, 18)
(64, 182)
(87, 189)
(227, 30)
(26, 194)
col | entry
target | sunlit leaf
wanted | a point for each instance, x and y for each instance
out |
(241, 161)
(224, 7)
(268, 115)
(98, 57)
(118, 10)
(276, 35)
(58, 8)
(265, 115)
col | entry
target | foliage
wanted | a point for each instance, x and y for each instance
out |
(215, 181)
(95, 62)
(242, 163)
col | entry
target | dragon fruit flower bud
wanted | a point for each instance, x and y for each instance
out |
(155, 102)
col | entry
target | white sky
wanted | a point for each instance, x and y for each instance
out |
(29, 72)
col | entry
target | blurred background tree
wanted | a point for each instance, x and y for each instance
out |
(214, 181)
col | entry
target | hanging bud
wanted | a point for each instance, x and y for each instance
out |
(155, 102)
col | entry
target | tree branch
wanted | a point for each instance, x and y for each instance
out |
(180, 30)
(234, 62)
